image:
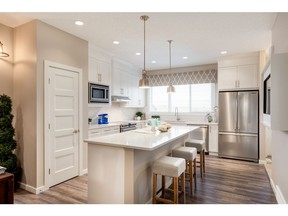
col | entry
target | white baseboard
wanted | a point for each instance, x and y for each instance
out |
(278, 194)
(262, 162)
(32, 189)
(83, 172)
(42, 188)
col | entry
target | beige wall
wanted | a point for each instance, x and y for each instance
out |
(6, 63)
(60, 47)
(280, 138)
(35, 42)
(25, 99)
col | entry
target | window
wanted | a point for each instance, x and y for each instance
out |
(188, 98)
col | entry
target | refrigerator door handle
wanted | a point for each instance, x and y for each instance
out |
(236, 113)
(238, 134)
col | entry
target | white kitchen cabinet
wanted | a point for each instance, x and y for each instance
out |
(136, 94)
(99, 65)
(213, 139)
(102, 131)
(120, 82)
(99, 71)
(125, 80)
(238, 77)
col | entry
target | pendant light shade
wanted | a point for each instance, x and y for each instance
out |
(2, 53)
(170, 88)
(144, 82)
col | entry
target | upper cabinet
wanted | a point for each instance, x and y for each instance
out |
(125, 79)
(99, 71)
(238, 72)
(99, 66)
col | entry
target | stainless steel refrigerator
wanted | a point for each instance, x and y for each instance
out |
(238, 125)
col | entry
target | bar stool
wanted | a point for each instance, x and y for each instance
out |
(172, 167)
(200, 146)
(189, 154)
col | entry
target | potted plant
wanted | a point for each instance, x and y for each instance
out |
(139, 115)
(7, 142)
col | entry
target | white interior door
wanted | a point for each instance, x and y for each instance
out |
(63, 124)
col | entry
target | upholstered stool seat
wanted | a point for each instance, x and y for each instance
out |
(189, 154)
(172, 167)
(200, 146)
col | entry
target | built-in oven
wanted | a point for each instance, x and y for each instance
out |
(98, 93)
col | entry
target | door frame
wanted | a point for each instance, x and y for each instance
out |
(47, 75)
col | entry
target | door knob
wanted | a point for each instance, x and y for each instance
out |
(75, 131)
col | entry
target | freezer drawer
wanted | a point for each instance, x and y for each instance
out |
(239, 146)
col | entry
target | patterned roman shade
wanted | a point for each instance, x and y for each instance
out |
(184, 78)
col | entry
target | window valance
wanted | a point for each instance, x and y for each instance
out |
(184, 78)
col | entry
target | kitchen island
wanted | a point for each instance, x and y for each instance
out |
(119, 165)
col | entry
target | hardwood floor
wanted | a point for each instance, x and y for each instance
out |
(226, 181)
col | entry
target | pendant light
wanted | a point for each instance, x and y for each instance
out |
(170, 88)
(144, 82)
(2, 53)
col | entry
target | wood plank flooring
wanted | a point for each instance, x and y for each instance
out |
(226, 181)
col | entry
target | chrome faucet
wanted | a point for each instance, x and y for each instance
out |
(176, 114)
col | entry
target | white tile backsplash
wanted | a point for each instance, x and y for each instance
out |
(115, 113)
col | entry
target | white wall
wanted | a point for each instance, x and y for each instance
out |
(279, 139)
(115, 113)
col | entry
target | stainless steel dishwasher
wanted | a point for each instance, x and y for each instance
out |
(202, 134)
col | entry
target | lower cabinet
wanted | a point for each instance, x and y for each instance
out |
(102, 131)
(213, 139)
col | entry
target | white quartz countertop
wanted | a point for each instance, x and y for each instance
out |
(142, 139)
(190, 122)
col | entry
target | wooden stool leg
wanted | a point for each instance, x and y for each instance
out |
(175, 179)
(154, 188)
(194, 174)
(204, 161)
(183, 186)
(201, 163)
(163, 187)
(191, 175)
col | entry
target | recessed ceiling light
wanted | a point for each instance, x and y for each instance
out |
(153, 62)
(224, 52)
(116, 42)
(185, 57)
(138, 53)
(79, 23)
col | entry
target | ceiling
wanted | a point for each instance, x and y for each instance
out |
(197, 35)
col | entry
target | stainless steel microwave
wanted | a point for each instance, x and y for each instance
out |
(98, 93)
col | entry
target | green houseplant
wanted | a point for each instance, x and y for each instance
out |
(7, 142)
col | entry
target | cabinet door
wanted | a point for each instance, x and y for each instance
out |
(104, 72)
(133, 90)
(99, 71)
(247, 76)
(141, 97)
(116, 85)
(213, 138)
(92, 70)
(227, 77)
(95, 132)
